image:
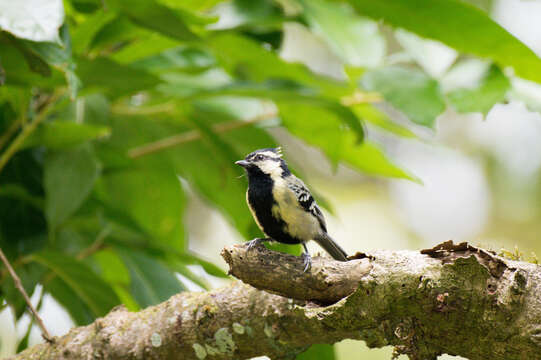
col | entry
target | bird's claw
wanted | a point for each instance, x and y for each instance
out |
(255, 242)
(307, 261)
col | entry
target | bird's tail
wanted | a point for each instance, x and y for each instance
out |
(330, 246)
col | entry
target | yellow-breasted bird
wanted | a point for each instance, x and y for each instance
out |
(282, 205)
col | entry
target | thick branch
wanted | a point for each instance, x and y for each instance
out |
(453, 299)
(327, 281)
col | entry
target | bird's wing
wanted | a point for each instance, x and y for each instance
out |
(306, 200)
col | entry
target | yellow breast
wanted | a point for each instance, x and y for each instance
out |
(298, 222)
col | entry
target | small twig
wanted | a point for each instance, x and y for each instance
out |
(96, 245)
(361, 98)
(192, 135)
(9, 132)
(175, 140)
(19, 286)
(18, 262)
(166, 107)
(27, 130)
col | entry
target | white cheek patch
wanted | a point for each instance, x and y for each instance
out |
(270, 167)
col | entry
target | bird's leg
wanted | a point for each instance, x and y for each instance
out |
(307, 258)
(256, 242)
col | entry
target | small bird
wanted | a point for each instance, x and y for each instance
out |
(282, 205)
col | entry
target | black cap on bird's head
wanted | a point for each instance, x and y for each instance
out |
(268, 161)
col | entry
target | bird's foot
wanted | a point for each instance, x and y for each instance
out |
(255, 242)
(307, 261)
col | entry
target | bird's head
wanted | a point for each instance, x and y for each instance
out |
(265, 161)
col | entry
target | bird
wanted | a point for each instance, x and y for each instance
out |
(283, 207)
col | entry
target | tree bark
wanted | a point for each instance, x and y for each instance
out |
(454, 299)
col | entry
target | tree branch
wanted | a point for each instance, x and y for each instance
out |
(453, 299)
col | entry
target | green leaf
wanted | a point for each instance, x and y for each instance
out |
(370, 159)
(410, 91)
(113, 78)
(115, 272)
(30, 275)
(2, 75)
(53, 53)
(219, 183)
(183, 270)
(373, 115)
(86, 6)
(213, 175)
(195, 5)
(34, 61)
(23, 343)
(71, 301)
(157, 17)
(318, 351)
(23, 227)
(69, 176)
(181, 58)
(16, 191)
(323, 129)
(202, 119)
(24, 68)
(249, 60)
(71, 239)
(152, 197)
(84, 33)
(491, 90)
(216, 181)
(93, 292)
(356, 40)
(210, 268)
(151, 45)
(151, 282)
(120, 30)
(59, 56)
(64, 134)
(126, 297)
(262, 17)
(459, 25)
(283, 91)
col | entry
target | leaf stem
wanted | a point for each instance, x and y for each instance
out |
(9, 132)
(19, 286)
(96, 245)
(27, 130)
(359, 97)
(167, 107)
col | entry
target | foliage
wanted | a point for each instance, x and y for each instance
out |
(105, 105)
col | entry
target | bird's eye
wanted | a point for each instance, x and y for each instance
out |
(259, 157)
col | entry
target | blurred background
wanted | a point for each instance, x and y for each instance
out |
(450, 149)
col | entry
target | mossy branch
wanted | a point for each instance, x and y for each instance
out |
(454, 299)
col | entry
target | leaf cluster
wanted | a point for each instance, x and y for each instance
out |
(106, 123)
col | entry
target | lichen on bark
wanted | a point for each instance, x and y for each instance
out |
(454, 299)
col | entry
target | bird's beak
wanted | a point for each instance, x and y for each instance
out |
(242, 163)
